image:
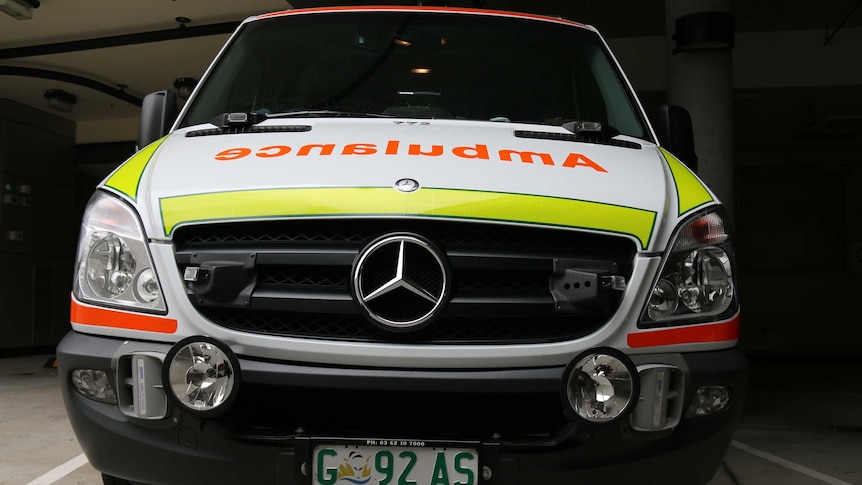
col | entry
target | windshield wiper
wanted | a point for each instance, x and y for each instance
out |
(326, 113)
(243, 122)
(243, 119)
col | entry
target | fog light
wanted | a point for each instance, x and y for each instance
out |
(600, 385)
(94, 384)
(202, 375)
(708, 400)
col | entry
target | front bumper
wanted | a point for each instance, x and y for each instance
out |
(515, 417)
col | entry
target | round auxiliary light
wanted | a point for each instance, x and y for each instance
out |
(201, 375)
(600, 386)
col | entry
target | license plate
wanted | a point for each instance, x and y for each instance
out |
(394, 462)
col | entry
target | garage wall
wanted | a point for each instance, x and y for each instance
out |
(37, 226)
(799, 239)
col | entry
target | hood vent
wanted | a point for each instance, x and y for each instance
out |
(250, 129)
(549, 135)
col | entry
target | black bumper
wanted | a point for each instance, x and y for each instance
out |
(239, 449)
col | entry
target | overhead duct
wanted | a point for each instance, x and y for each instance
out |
(19, 9)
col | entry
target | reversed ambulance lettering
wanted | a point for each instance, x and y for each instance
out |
(395, 147)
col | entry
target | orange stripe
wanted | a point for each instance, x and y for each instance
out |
(498, 13)
(714, 332)
(103, 317)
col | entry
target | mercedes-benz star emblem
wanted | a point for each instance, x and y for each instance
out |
(406, 185)
(401, 281)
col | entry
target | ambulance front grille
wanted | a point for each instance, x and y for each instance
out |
(300, 279)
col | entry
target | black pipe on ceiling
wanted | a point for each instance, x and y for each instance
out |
(118, 40)
(71, 79)
(841, 24)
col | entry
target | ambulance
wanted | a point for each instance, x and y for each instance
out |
(406, 245)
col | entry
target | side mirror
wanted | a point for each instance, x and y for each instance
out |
(675, 133)
(158, 112)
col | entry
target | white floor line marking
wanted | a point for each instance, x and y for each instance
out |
(61, 471)
(789, 464)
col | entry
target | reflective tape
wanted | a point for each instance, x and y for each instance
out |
(689, 334)
(127, 178)
(690, 191)
(427, 202)
(105, 317)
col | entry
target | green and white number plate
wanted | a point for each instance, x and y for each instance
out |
(394, 462)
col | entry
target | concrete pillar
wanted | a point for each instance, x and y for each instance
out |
(700, 79)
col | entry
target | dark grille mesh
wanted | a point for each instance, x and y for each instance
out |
(447, 234)
(491, 281)
(303, 276)
(298, 324)
(305, 232)
(445, 330)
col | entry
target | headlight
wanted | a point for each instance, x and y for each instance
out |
(600, 386)
(114, 265)
(201, 374)
(696, 281)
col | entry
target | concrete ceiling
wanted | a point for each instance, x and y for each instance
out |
(90, 39)
(137, 69)
(633, 18)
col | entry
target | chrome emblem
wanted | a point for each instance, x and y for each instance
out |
(406, 185)
(401, 281)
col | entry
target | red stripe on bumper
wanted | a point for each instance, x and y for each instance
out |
(713, 332)
(104, 317)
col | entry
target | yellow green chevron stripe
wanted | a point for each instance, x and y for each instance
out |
(127, 178)
(690, 191)
(427, 202)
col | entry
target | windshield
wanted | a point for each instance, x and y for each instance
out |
(418, 65)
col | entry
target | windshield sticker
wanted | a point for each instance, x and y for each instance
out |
(478, 151)
(426, 202)
(690, 191)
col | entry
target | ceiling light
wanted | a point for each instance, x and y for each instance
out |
(60, 100)
(184, 86)
(19, 9)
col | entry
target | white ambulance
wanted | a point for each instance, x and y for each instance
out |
(406, 245)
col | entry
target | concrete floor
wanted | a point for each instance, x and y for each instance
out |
(802, 425)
